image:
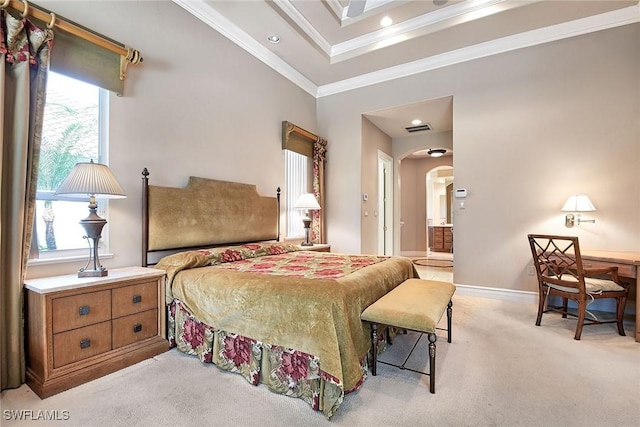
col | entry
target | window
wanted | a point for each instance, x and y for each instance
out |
(72, 132)
(297, 182)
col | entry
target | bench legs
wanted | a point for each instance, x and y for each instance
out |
(374, 349)
(432, 361)
(449, 314)
(432, 337)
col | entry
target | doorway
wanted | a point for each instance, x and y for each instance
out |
(439, 189)
(385, 204)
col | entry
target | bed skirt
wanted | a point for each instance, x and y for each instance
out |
(283, 370)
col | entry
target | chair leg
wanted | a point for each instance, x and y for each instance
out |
(542, 302)
(432, 362)
(374, 348)
(565, 305)
(581, 314)
(620, 314)
(449, 314)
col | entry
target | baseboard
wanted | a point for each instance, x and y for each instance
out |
(498, 293)
(603, 305)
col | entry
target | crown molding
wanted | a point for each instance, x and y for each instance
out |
(616, 18)
(304, 24)
(215, 20)
(420, 25)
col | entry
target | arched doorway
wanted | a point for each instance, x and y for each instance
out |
(439, 211)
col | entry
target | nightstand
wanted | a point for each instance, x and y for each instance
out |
(79, 329)
(317, 247)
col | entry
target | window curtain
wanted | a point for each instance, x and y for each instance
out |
(301, 141)
(319, 160)
(25, 51)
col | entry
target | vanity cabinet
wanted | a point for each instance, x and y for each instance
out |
(440, 238)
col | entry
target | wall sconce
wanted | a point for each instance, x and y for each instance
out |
(307, 201)
(577, 203)
(91, 180)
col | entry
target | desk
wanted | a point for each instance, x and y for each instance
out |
(628, 264)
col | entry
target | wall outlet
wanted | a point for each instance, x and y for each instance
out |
(531, 270)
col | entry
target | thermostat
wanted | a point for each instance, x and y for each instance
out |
(460, 193)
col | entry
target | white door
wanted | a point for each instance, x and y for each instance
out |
(385, 204)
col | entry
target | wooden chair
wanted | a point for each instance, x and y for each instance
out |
(560, 272)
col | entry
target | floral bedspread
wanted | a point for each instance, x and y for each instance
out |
(307, 264)
(280, 316)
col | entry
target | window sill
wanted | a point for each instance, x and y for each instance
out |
(63, 260)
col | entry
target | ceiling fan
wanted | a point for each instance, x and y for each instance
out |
(355, 8)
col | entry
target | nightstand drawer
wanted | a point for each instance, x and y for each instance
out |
(80, 310)
(79, 344)
(130, 329)
(81, 328)
(134, 299)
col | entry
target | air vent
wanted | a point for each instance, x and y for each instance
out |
(419, 128)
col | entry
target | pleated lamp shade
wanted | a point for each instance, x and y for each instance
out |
(90, 179)
(307, 201)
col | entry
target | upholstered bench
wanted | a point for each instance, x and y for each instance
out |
(415, 305)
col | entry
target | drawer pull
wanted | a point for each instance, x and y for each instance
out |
(86, 343)
(137, 328)
(137, 299)
(84, 310)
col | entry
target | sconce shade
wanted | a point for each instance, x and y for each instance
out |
(437, 152)
(578, 203)
(90, 179)
(307, 201)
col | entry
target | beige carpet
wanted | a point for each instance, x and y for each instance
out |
(500, 370)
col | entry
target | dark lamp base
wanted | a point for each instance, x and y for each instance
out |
(93, 273)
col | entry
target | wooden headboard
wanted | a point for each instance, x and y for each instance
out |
(206, 213)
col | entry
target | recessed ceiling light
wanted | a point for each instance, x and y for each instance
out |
(386, 21)
(274, 39)
(416, 121)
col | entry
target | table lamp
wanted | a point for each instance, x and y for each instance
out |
(308, 202)
(91, 180)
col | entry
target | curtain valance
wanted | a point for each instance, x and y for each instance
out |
(297, 139)
(81, 53)
(303, 142)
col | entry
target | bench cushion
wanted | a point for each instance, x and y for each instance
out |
(415, 304)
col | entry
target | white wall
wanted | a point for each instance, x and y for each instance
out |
(531, 127)
(197, 105)
(373, 139)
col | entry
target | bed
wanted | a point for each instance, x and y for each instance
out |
(241, 299)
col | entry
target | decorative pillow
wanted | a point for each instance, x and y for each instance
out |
(248, 250)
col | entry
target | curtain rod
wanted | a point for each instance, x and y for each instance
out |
(304, 132)
(23, 6)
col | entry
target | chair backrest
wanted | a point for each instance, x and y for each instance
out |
(558, 262)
